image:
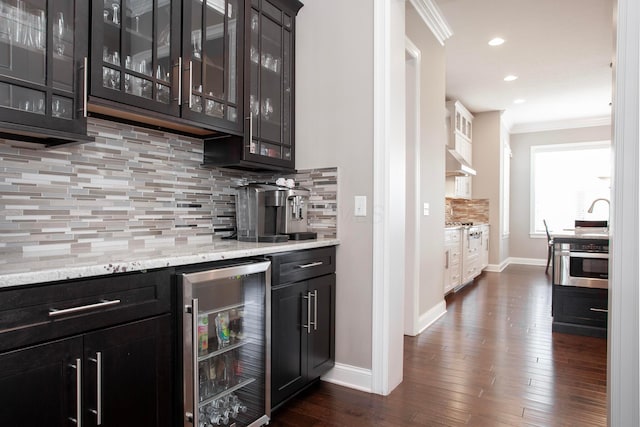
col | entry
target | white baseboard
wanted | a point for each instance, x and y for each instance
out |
(433, 314)
(362, 379)
(527, 261)
(497, 268)
(350, 376)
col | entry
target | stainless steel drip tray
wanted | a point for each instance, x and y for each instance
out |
(273, 238)
(303, 235)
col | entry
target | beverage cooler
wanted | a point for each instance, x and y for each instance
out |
(225, 334)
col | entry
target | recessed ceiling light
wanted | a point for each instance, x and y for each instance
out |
(518, 101)
(510, 78)
(497, 41)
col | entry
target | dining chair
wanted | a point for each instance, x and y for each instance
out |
(549, 245)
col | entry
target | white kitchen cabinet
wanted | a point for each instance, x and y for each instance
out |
(452, 264)
(460, 127)
(484, 250)
(471, 249)
(459, 139)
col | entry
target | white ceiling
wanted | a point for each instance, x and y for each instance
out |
(561, 51)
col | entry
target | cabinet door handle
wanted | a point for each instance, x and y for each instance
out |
(311, 264)
(446, 259)
(599, 310)
(190, 84)
(315, 310)
(85, 85)
(250, 120)
(179, 65)
(78, 367)
(308, 325)
(98, 410)
(54, 312)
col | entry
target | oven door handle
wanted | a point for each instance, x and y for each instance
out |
(596, 255)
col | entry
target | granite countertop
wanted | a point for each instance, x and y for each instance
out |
(42, 267)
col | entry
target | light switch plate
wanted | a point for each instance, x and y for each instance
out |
(360, 206)
(425, 209)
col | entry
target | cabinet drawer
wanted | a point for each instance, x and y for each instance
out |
(451, 237)
(582, 306)
(301, 265)
(40, 313)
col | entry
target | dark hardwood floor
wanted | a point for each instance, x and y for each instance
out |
(491, 360)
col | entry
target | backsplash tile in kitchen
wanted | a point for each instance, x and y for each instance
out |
(466, 210)
(132, 187)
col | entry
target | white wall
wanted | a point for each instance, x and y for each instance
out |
(487, 184)
(334, 127)
(521, 245)
(432, 151)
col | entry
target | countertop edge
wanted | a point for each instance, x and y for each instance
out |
(86, 271)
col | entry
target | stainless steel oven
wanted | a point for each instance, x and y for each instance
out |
(581, 264)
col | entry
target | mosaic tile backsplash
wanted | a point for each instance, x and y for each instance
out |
(132, 187)
(465, 210)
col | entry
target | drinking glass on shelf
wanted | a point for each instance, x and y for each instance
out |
(40, 29)
(116, 17)
(59, 34)
(197, 43)
(57, 109)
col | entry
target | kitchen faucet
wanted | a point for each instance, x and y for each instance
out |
(590, 210)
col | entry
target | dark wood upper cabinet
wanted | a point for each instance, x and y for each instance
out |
(269, 85)
(42, 70)
(153, 58)
(222, 70)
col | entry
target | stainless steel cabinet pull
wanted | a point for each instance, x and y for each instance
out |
(179, 65)
(85, 85)
(54, 312)
(98, 410)
(315, 310)
(190, 84)
(312, 264)
(446, 259)
(78, 367)
(308, 325)
(250, 118)
(599, 310)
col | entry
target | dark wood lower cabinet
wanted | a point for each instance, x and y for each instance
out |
(581, 311)
(40, 385)
(303, 329)
(135, 378)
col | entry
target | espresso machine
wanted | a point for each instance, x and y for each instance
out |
(272, 213)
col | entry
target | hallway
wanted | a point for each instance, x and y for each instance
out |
(491, 360)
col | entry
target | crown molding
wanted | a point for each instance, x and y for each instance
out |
(561, 124)
(432, 16)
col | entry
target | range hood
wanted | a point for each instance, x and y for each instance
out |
(457, 166)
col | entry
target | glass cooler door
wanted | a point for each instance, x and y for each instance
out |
(225, 345)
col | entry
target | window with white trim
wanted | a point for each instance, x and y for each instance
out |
(565, 180)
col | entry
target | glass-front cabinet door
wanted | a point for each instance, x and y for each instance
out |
(42, 68)
(181, 58)
(135, 53)
(271, 103)
(212, 48)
